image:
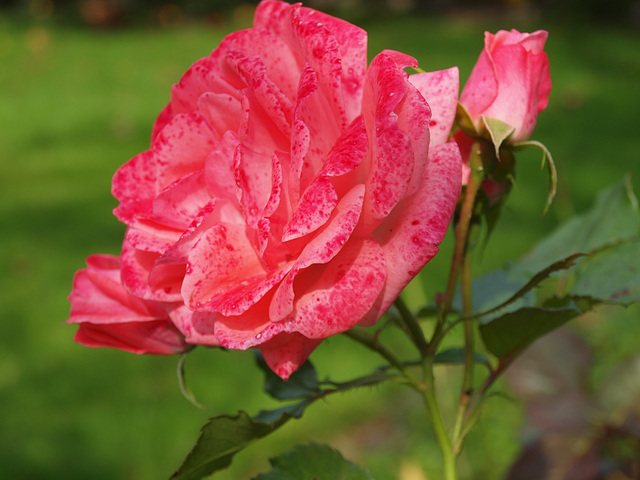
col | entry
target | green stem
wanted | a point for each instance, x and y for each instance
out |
(412, 325)
(431, 402)
(469, 353)
(461, 261)
(372, 343)
(475, 181)
(462, 230)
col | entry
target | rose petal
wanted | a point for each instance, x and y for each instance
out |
(109, 316)
(326, 304)
(134, 272)
(99, 297)
(287, 352)
(222, 259)
(197, 327)
(180, 202)
(392, 161)
(320, 249)
(181, 148)
(134, 185)
(440, 90)
(411, 239)
(158, 337)
(313, 210)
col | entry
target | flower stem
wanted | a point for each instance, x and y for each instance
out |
(372, 343)
(464, 231)
(431, 402)
(412, 325)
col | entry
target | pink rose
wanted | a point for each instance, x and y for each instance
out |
(510, 81)
(109, 316)
(290, 193)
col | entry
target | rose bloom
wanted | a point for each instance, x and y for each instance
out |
(510, 81)
(289, 194)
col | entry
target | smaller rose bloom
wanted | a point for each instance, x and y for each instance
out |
(510, 82)
(109, 316)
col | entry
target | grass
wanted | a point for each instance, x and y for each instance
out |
(75, 104)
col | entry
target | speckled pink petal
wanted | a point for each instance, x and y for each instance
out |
(99, 297)
(180, 202)
(313, 210)
(134, 185)
(253, 173)
(283, 19)
(348, 151)
(135, 268)
(341, 292)
(219, 169)
(287, 352)
(238, 298)
(211, 214)
(248, 329)
(222, 259)
(321, 51)
(320, 249)
(280, 62)
(197, 327)
(411, 239)
(151, 236)
(352, 42)
(274, 104)
(392, 154)
(440, 90)
(181, 148)
(205, 75)
(158, 337)
(221, 111)
(414, 119)
(300, 134)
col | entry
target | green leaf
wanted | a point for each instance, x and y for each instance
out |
(511, 333)
(614, 217)
(224, 436)
(303, 383)
(498, 130)
(607, 270)
(612, 275)
(317, 462)
(563, 264)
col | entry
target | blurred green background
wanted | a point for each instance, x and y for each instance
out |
(80, 86)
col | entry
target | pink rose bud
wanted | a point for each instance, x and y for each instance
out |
(290, 192)
(109, 316)
(510, 82)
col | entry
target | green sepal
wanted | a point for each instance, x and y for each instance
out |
(184, 386)
(498, 131)
(547, 159)
(465, 122)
